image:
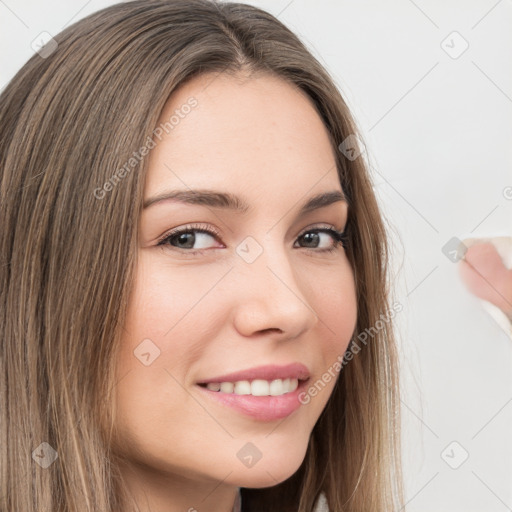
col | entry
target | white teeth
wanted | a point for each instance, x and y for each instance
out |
(260, 388)
(227, 387)
(276, 387)
(257, 387)
(242, 387)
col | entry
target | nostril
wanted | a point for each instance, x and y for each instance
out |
(271, 329)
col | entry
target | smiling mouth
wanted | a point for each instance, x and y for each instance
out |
(256, 387)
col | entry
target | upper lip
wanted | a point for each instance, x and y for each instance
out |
(267, 372)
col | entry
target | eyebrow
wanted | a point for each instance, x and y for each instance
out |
(228, 201)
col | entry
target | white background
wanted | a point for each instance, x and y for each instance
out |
(438, 132)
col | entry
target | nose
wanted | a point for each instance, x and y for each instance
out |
(270, 299)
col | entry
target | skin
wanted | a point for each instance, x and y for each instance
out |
(484, 274)
(262, 139)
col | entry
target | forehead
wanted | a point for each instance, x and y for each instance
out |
(258, 135)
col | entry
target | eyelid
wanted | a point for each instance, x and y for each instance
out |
(205, 228)
(321, 225)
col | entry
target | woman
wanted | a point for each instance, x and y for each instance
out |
(194, 299)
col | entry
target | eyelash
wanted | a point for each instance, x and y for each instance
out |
(340, 237)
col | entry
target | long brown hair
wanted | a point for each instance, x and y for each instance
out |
(70, 120)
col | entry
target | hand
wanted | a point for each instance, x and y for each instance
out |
(485, 275)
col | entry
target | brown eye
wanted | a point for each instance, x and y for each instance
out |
(188, 237)
(313, 239)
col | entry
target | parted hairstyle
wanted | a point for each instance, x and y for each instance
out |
(69, 120)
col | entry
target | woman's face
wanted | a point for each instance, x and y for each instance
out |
(261, 294)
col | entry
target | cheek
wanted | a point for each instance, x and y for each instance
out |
(334, 298)
(164, 299)
(171, 313)
(156, 351)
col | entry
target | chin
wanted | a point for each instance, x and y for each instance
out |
(262, 481)
(266, 474)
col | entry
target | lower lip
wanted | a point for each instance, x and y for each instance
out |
(262, 408)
